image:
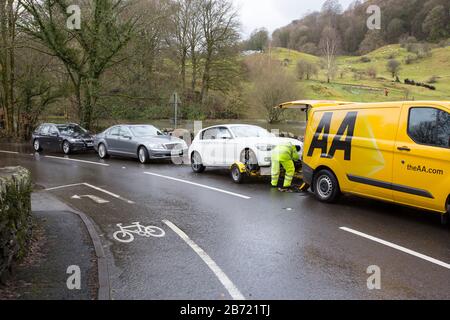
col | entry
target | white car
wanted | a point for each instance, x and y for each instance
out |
(224, 145)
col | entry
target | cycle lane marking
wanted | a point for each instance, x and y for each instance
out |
(199, 185)
(218, 272)
(9, 152)
(92, 187)
(397, 247)
(125, 234)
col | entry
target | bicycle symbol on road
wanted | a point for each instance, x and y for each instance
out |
(126, 234)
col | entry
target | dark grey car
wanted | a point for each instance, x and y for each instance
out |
(144, 142)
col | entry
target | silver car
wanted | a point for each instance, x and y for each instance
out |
(144, 142)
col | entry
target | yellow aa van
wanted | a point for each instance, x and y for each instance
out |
(391, 151)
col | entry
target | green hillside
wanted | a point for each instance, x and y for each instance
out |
(350, 82)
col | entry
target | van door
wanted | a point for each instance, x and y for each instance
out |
(368, 166)
(422, 157)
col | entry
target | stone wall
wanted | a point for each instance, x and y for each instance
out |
(15, 215)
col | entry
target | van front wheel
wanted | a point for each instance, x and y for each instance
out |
(326, 186)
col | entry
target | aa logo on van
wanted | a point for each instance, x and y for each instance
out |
(347, 130)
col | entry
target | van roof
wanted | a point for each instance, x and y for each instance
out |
(303, 104)
(306, 104)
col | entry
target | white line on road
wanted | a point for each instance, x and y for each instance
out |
(92, 187)
(93, 198)
(65, 186)
(78, 160)
(397, 247)
(199, 185)
(9, 152)
(108, 192)
(223, 278)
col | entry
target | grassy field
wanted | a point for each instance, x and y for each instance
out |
(346, 87)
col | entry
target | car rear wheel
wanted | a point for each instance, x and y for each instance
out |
(197, 163)
(66, 147)
(326, 186)
(37, 145)
(143, 155)
(102, 151)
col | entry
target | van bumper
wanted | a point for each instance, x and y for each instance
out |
(307, 174)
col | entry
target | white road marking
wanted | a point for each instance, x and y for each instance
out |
(78, 160)
(125, 234)
(199, 185)
(108, 192)
(92, 187)
(397, 247)
(65, 186)
(223, 278)
(93, 198)
(9, 152)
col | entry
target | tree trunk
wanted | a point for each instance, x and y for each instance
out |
(205, 81)
(91, 88)
(194, 72)
(183, 70)
(7, 61)
(12, 78)
(5, 65)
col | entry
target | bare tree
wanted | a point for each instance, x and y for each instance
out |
(306, 69)
(87, 52)
(9, 10)
(219, 23)
(194, 37)
(182, 19)
(39, 83)
(393, 66)
(272, 86)
(329, 45)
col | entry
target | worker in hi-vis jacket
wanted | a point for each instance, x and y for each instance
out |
(284, 155)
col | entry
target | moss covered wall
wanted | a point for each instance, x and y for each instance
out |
(15, 215)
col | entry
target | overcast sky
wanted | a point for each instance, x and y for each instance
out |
(273, 14)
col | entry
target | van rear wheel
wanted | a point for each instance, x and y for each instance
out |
(326, 186)
(445, 218)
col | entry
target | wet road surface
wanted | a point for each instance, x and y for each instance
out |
(228, 241)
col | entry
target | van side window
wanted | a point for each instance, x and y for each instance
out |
(429, 126)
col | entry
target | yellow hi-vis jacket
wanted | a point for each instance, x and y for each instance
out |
(285, 152)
